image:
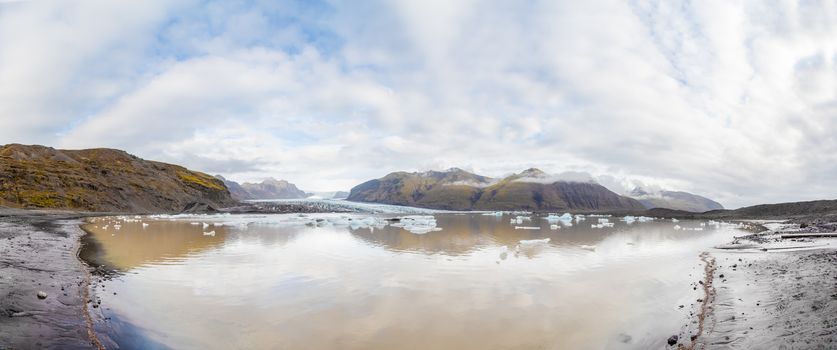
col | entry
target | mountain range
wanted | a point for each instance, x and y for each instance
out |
(113, 180)
(676, 200)
(270, 188)
(457, 189)
(102, 179)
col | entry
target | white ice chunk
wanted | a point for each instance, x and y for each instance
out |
(534, 241)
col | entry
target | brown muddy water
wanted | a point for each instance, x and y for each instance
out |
(324, 282)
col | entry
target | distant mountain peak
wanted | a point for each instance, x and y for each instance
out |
(533, 172)
(272, 180)
(269, 188)
(639, 192)
(678, 200)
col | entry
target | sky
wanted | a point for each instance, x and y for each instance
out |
(733, 100)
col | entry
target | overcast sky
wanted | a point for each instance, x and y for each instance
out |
(734, 100)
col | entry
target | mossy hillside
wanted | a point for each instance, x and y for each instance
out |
(99, 180)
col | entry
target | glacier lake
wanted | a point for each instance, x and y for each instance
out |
(395, 281)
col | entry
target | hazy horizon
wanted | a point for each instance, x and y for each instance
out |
(731, 101)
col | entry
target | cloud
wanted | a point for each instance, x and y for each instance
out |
(731, 100)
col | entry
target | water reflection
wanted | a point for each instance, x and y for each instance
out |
(472, 285)
(127, 245)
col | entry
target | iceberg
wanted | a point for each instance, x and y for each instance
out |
(418, 224)
(525, 242)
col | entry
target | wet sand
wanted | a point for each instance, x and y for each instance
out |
(773, 293)
(38, 254)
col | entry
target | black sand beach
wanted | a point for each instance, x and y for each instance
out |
(38, 254)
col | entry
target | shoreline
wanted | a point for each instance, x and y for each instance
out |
(39, 253)
(766, 291)
(88, 318)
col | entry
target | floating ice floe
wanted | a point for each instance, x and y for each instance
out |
(527, 228)
(677, 227)
(591, 248)
(418, 224)
(631, 219)
(602, 225)
(554, 227)
(205, 225)
(525, 242)
(552, 217)
(496, 213)
(210, 233)
(531, 247)
(579, 218)
(144, 225)
(675, 220)
(370, 222)
(117, 227)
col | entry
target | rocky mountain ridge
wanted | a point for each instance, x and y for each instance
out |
(270, 188)
(457, 189)
(676, 200)
(102, 179)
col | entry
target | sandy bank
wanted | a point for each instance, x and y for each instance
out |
(774, 293)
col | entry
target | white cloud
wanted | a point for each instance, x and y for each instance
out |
(734, 101)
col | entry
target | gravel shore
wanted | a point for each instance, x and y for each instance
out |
(43, 285)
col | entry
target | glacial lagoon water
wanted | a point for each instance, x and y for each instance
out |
(323, 281)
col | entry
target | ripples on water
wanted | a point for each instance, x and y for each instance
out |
(259, 282)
